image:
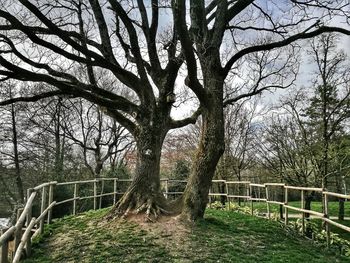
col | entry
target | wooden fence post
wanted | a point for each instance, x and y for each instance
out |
(247, 194)
(95, 194)
(267, 203)
(166, 188)
(285, 208)
(227, 196)
(115, 191)
(251, 201)
(17, 234)
(29, 219)
(43, 207)
(302, 204)
(49, 214)
(101, 195)
(4, 250)
(75, 199)
(25, 237)
(19, 212)
(280, 198)
(210, 197)
(326, 215)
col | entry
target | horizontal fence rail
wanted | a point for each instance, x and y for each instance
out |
(16, 241)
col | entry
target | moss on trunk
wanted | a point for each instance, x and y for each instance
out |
(144, 193)
(211, 147)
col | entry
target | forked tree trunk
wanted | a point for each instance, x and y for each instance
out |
(210, 149)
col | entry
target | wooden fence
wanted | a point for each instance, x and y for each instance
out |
(16, 241)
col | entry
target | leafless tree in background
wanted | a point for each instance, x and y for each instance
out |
(100, 138)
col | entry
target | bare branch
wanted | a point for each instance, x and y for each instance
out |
(179, 7)
(32, 98)
(282, 43)
(190, 120)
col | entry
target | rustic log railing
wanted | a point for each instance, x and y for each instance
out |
(16, 241)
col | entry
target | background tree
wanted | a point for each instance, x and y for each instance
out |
(308, 143)
(239, 155)
(88, 42)
(284, 145)
(11, 150)
(330, 104)
(42, 136)
(180, 171)
(48, 149)
(100, 138)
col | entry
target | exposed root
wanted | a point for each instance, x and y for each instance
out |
(127, 212)
(166, 212)
(153, 211)
(141, 208)
(152, 207)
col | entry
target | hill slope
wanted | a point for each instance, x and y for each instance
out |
(221, 237)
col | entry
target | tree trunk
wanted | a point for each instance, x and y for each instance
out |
(239, 187)
(308, 199)
(341, 212)
(18, 178)
(59, 144)
(223, 198)
(210, 149)
(98, 168)
(325, 164)
(325, 136)
(340, 189)
(144, 193)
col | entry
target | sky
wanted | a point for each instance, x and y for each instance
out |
(306, 72)
(305, 68)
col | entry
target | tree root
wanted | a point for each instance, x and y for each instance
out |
(130, 204)
(152, 210)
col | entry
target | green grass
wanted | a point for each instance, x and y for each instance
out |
(341, 233)
(221, 237)
(315, 206)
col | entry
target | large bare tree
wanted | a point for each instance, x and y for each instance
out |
(330, 104)
(145, 44)
(254, 31)
(114, 38)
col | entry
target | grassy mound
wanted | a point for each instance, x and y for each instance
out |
(222, 237)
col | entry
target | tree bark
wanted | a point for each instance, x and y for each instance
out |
(341, 212)
(144, 193)
(341, 201)
(308, 199)
(223, 198)
(18, 178)
(210, 149)
(59, 143)
(239, 186)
